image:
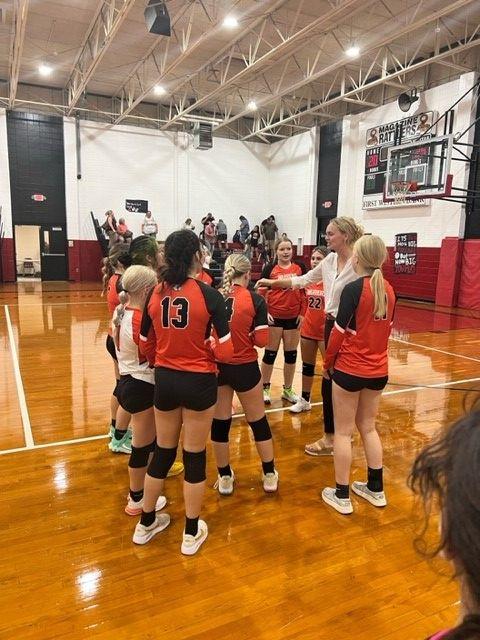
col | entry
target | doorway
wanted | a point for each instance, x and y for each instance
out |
(27, 252)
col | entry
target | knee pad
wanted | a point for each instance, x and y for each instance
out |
(290, 357)
(115, 391)
(195, 463)
(161, 462)
(139, 456)
(261, 429)
(308, 370)
(220, 430)
(269, 356)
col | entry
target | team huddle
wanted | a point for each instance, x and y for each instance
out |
(182, 349)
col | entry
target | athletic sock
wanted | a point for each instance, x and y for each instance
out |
(136, 496)
(268, 467)
(306, 395)
(225, 471)
(113, 423)
(191, 526)
(119, 433)
(342, 491)
(266, 385)
(148, 518)
(375, 479)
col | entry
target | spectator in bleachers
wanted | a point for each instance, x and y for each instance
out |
(110, 228)
(252, 242)
(188, 224)
(124, 233)
(244, 229)
(149, 225)
(210, 233)
(222, 234)
(269, 231)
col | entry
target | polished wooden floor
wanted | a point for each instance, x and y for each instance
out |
(274, 567)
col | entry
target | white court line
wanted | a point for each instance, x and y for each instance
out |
(60, 443)
(55, 304)
(448, 353)
(27, 427)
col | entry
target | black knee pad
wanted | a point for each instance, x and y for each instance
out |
(195, 463)
(161, 462)
(139, 456)
(220, 430)
(115, 391)
(290, 356)
(308, 370)
(261, 429)
(269, 356)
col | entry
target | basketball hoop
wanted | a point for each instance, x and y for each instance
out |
(401, 189)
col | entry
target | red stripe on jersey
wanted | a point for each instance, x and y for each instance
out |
(285, 303)
(314, 321)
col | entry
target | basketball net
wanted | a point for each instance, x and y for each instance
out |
(401, 189)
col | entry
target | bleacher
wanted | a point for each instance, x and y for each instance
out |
(100, 235)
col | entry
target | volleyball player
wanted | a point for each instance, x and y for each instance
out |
(311, 333)
(247, 313)
(357, 361)
(136, 384)
(113, 267)
(335, 271)
(146, 251)
(179, 315)
(286, 310)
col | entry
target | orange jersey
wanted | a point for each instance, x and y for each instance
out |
(247, 313)
(205, 276)
(179, 319)
(358, 344)
(314, 320)
(114, 287)
(285, 303)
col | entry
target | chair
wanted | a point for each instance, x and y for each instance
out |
(28, 267)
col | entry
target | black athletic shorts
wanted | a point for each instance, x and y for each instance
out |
(241, 377)
(110, 344)
(174, 389)
(134, 395)
(285, 323)
(355, 383)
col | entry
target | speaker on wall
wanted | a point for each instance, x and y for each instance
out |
(157, 18)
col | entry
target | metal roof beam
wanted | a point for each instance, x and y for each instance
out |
(284, 45)
(20, 11)
(109, 18)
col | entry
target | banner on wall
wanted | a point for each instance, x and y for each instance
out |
(405, 258)
(378, 140)
(136, 206)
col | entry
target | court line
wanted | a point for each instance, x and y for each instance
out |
(61, 443)
(54, 304)
(448, 353)
(27, 427)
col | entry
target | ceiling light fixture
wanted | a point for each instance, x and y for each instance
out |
(353, 52)
(44, 70)
(158, 90)
(252, 105)
(230, 22)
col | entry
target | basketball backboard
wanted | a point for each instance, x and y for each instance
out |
(424, 164)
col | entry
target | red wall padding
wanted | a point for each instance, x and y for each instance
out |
(8, 260)
(469, 291)
(84, 260)
(449, 272)
(421, 285)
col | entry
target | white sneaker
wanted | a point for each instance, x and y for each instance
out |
(301, 405)
(191, 544)
(143, 534)
(266, 396)
(342, 505)
(224, 484)
(377, 498)
(270, 482)
(133, 508)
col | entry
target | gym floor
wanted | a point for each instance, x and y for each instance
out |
(274, 567)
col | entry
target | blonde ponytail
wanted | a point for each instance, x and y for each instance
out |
(371, 253)
(236, 265)
(135, 279)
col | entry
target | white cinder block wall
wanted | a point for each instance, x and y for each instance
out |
(439, 218)
(5, 200)
(232, 179)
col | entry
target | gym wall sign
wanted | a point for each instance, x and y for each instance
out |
(38, 197)
(136, 206)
